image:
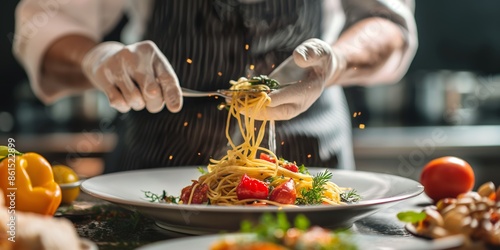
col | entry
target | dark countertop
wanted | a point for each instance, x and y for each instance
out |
(113, 227)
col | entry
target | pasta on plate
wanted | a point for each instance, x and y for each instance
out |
(250, 174)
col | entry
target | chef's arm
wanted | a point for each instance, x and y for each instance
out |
(378, 42)
(50, 51)
(61, 66)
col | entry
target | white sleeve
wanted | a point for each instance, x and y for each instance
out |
(138, 13)
(39, 23)
(339, 15)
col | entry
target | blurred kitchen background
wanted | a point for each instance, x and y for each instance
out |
(447, 104)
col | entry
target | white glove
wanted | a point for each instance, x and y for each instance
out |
(133, 76)
(312, 65)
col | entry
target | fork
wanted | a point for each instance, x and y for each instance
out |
(225, 93)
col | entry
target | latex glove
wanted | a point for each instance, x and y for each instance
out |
(135, 76)
(313, 64)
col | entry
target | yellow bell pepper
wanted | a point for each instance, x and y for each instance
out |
(28, 183)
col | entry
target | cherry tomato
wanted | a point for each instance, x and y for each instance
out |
(266, 157)
(291, 166)
(447, 177)
(200, 194)
(284, 193)
(251, 188)
(288, 165)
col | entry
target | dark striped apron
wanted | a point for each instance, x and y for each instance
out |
(208, 43)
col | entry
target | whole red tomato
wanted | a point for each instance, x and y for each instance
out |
(447, 177)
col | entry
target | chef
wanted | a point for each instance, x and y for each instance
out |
(202, 45)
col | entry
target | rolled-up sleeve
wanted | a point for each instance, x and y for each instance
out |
(39, 23)
(340, 15)
(398, 11)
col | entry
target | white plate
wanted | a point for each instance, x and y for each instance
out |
(126, 188)
(373, 242)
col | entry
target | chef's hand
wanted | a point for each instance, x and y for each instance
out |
(314, 63)
(135, 76)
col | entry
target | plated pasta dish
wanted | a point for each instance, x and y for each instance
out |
(250, 174)
(275, 232)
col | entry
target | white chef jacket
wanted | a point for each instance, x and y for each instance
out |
(41, 22)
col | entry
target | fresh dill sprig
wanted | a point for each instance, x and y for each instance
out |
(313, 196)
(350, 196)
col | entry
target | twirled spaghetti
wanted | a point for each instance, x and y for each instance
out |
(225, 175)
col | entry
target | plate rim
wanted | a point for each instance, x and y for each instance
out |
(145, 204)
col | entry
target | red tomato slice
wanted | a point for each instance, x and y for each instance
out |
(251, 188)
(284, 193)
(291, 166)
(266, 157)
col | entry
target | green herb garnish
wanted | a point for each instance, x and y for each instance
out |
(202, 171)
(303, 170)
(262, 79)
(268, 227)
(301, 222)
(411, 216)
(269, 179)
(350, 196)
(274, 228)
(313, 195)
(164, 197)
